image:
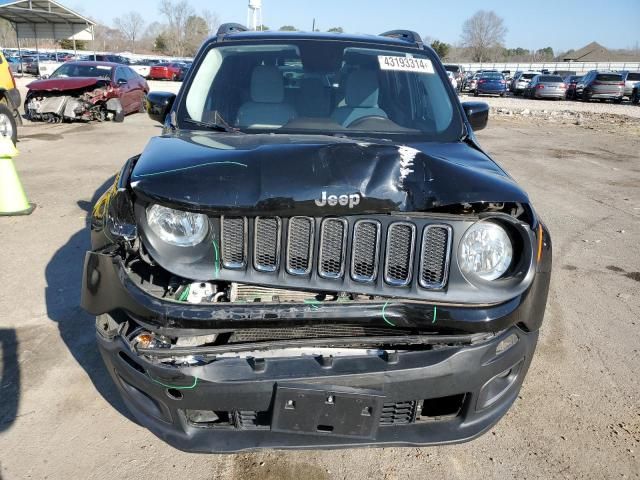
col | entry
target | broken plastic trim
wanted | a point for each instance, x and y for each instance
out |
(318, 342)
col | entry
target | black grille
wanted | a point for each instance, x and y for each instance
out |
(398, 413)
(370, 251)
(233, 239)
(332, 245)
(267, 244)
(436, 244)
(300, 245)
(364, 258)
(400, 246)
(248, 335)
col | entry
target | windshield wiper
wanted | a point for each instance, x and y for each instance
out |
(219, 124)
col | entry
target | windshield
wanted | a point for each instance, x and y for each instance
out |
(80, 70)
(322, 87)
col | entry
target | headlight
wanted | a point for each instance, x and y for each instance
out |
(485, 251)
(183, 229)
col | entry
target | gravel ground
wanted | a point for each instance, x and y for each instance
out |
(517, 104)
(578, 415)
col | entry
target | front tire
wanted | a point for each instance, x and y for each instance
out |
(8, 126)
(635, 97)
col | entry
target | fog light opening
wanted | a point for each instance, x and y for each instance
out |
(506, 344)
(174, 393)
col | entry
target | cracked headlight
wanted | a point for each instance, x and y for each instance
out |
(485, 251)
(183, 229)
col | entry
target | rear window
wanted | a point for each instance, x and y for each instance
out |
(609, 77)
(452, 68)
(633, 76)
(492, 76)
(550, 78)
(528, 76)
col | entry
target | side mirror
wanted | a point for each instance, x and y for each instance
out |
(477, 114)
(43, 77)
(159, 104)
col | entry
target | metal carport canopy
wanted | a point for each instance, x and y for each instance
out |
(35, 19)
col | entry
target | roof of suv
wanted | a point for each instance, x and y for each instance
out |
(346, 37)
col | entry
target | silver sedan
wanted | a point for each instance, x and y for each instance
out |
(546, 86)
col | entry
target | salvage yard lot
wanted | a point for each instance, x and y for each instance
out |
(578, 415)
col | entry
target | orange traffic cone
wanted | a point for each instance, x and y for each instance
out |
(13, 200)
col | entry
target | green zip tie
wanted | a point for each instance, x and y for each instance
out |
(314, 303)
(435, 314)
(139, 175)
(384, 317)
(217, 258)
(185, 294)
(177, 387)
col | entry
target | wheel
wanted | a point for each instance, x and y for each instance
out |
(585, 96)
(8, 127)
(502, 94)
(475, 93)
(635, 97)
(617, 100)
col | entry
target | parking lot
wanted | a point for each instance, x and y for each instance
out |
(578, 415)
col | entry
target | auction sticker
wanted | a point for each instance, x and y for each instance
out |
(405, 64)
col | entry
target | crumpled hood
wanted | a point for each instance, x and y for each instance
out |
(69, 83)
(314, 175)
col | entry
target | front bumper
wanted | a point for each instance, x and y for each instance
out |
(418, 398)
(445, 393)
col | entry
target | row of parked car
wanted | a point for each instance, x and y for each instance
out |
(29, 62)
(594, 85)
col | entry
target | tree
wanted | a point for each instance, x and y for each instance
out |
(160, 44)
(148, 39)
(483, 34)
(67, 44)
(336, 30)
(197, 31)
(288, 28)
(262, 28)
(131, 25)
(441, 48)
(212, 19)
(106, 39)
(176, 13)
(544, 54)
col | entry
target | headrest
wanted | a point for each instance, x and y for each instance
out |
(362, 89)
(267, 85)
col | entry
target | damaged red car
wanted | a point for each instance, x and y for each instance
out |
(86, 91)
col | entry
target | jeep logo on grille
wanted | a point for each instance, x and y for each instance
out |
(343, 200)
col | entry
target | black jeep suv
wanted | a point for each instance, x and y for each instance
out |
(316, 252)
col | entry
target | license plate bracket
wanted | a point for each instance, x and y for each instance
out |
(326, 410)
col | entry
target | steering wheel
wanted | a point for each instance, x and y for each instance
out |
(359, 121)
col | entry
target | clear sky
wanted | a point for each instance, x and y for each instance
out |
(561, 24)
